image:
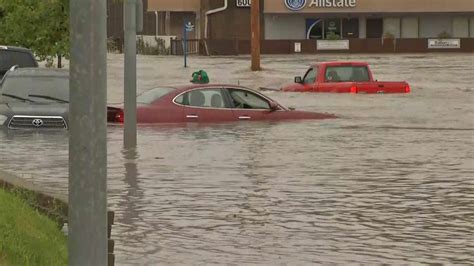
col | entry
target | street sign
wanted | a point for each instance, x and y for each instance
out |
(189, 26)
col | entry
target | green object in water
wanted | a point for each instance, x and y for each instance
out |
(200, 77)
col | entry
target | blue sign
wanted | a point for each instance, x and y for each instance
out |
(295, 5)
(189, 27)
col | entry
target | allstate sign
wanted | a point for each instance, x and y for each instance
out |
(295, 5)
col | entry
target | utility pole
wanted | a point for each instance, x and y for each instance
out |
(255, 31)
(132, 23)
(87, 222)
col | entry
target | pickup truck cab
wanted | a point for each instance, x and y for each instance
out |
(15, 56)
(344, 77)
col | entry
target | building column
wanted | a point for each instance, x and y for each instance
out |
(362, 27)
(168, 23)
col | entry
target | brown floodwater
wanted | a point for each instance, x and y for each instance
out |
(390, 181)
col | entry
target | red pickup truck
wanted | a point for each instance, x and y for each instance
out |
(344, 77)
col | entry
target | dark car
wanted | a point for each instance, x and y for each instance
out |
(209, 104)
(15, 56)
(34, 98)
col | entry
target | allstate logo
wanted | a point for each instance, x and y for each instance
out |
(295, 5)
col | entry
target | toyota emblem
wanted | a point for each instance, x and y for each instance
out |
(37, 122)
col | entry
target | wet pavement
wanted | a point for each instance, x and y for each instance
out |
(391, 181)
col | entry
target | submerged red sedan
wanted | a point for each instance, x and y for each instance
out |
(209, 104)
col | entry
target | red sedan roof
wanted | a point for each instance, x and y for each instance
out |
(181, 88)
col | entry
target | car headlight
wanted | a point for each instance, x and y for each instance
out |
(3, 119)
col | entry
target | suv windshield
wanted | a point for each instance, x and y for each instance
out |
(9, 58)
(152, 95)
(42, 89)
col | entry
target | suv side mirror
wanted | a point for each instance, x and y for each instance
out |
(298, 80)
(14, 67)
(274, 106)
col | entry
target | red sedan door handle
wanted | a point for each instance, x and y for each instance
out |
(192, 116)
(244, 117)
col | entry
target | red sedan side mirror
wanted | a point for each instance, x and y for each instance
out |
(274, 106)
(298, 80)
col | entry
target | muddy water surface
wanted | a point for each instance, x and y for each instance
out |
(391, 181)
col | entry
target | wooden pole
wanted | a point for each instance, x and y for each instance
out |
(255, 31)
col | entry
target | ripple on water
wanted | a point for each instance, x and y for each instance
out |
(388, 182)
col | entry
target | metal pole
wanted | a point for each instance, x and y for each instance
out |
(88, 134)
(130, 75)
(156, 21)
(255, 29)
(185, 45)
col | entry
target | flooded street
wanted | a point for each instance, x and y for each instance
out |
(390, 181)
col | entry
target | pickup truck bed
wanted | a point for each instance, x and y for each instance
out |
(344, 77)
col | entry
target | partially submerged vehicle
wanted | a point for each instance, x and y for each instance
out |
(209, 104)
(344, 77)
(35, 98)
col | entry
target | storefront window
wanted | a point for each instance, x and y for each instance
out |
(332, 28)
(350, 28)
(314, 29)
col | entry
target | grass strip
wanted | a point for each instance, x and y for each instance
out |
(28, 237)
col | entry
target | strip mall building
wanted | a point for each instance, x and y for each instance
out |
(290, 26)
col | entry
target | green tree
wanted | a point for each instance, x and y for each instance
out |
(40, 25)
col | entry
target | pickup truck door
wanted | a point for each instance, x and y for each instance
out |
(310, 79)
(335, 87)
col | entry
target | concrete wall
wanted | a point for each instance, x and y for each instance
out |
(391, 25)
(432, 26)
(461, 27)
(285, 27)
(409, 27)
